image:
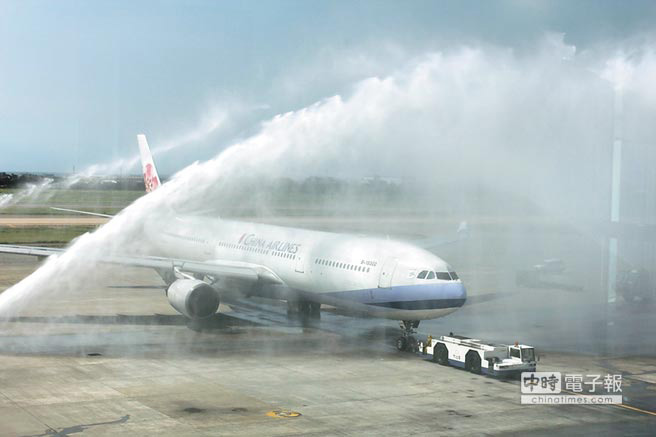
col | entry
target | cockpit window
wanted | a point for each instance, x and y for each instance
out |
(444, 276)
(422, 274)
(431, 275)
(454, 276)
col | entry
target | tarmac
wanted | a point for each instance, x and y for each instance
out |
(100, 360)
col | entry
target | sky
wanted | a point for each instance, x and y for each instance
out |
(79, 79)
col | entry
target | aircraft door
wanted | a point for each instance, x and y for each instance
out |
(300, 266)
(385, 279)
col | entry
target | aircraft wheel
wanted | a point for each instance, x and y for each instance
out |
(401, 344)
(411, 345)
(315, 310)
(293, 309)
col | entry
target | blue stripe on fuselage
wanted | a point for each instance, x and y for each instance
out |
(411, 297)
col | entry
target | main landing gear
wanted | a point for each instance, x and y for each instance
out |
(304, 310)
(407, 341)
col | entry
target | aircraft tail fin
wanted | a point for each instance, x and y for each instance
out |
(151, 179)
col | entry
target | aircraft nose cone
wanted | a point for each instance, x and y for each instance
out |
(451, 294)
(459, 293)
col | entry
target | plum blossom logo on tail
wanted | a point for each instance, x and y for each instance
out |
(150, 179)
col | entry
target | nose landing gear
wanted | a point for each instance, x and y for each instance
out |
(407, 342)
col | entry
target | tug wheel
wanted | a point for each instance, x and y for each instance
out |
(441, 354)
(473, 362)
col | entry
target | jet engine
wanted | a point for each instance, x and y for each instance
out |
(193, 298)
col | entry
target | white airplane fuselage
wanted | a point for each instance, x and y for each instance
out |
(370, 276)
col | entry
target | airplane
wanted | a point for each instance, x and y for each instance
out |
(202, 258)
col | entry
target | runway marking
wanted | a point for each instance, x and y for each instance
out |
(628, 407)
(283, 413)
(639, 410)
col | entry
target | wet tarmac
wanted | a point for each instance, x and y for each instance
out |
(120, 361)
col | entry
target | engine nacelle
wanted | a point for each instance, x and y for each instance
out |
(193, 298)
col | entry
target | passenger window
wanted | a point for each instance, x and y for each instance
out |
(431, 275)
(422, 275)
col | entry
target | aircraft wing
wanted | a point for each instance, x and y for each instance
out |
(77, 211)
(218, 268)
(430, 243)
(29, 250)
